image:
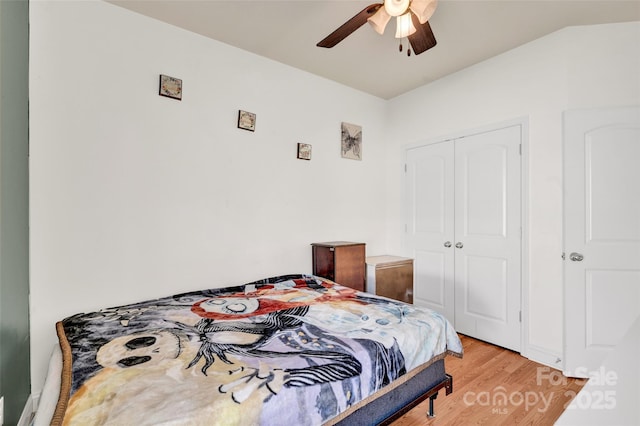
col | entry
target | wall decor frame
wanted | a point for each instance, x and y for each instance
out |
(170, 87)
(246, 120)
(351, 141)
(304, 151)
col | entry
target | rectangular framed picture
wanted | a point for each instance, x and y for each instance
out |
(351, 141)
(170, 87)
(304, 151)
(246, 120)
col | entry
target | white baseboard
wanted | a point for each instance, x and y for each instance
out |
(544, 356)
(27, 413)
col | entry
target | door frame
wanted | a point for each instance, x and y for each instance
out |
(523, 122)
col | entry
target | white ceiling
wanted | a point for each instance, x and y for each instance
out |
(467, 31)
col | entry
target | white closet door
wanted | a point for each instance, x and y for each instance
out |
(488, 236)
(602, 232)
(429, 191)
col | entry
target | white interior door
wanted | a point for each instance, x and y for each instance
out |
(429, 189)
(602, 232)
(463, 231)
(488, 236)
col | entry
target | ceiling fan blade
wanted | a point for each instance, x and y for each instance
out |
(350, 26)
(423, 39)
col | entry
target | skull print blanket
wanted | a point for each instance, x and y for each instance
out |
(295, 349)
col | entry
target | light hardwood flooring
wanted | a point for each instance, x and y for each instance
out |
(495, 386)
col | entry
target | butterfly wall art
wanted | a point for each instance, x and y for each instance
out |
(351, 141)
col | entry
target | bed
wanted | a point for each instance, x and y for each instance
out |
(295, 349)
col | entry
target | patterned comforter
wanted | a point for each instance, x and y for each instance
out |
(296, 349)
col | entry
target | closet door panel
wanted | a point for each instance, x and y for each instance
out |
(429, 192)
(430, 266)
(487, 229)
(484, 198)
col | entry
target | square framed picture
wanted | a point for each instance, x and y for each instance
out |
(351, 141)
(170, 87)
(246, 120)
(304, 151)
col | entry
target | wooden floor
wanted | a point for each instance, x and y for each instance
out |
(495, 386)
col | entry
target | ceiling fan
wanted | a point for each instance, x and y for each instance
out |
(412, 17)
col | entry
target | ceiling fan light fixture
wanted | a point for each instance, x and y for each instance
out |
(404, 26)
(396, 7)
(419, 35)
(423, 9)
(379, 20)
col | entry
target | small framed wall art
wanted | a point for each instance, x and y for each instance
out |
(246, 120)
(351, 141)
(304, 151)
(170, 87)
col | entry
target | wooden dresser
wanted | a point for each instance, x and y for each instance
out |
(340, 261)
(390, 276)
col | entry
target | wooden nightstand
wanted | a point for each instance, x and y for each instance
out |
(340, 261)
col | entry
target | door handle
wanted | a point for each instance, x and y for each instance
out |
(447, 244)
(459, 245)
(576, 257)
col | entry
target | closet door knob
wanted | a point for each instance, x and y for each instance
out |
(576, 257)
(459, 245)
(447, 244)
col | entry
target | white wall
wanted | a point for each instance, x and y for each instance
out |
(135, 196)
(579, 67)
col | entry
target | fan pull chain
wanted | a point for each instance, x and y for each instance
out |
(408, 48)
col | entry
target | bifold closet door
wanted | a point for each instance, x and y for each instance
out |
(488, 236)
(429, 191)
(464, 232)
